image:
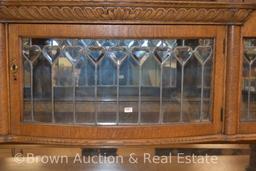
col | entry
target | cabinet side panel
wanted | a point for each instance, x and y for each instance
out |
(232, 80)
(3, 82)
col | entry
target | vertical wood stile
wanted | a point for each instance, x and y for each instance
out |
(4, 120)
(232, 80)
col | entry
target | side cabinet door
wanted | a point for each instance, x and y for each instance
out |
(116, 84)
(247, 119)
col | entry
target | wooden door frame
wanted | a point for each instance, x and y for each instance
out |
(247, 31)
(145, 134)
(4, 86)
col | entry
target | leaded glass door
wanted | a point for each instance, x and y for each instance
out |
(119, 81)
(247, 112)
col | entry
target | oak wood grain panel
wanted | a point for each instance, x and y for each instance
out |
(118, 142)
(160, 142)
(4, 121)
(115, 31)
(248, 29)
(107, 134)
(232, 80)
(219, 78)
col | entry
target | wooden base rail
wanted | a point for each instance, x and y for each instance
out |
(250, 138)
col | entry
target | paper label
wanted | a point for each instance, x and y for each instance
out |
(128, 110)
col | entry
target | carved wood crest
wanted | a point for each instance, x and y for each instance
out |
(149, 12)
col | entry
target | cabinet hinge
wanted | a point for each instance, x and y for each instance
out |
(224, 46)
(221, 114)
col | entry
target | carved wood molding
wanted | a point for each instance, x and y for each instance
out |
(125, 12)
(118, 142)
(133, 142)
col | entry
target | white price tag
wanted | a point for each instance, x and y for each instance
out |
(121, 76)
(128, 110)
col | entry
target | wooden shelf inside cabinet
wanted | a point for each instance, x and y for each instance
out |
(121, 73)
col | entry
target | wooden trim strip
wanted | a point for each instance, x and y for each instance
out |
(119, 142)
(4, 120)
(242, 138)
(232, 80)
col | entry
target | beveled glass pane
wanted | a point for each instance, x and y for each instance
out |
(248, 112)
(150, 90)
(207, 79)
(107, 92)
(27, 91)
(30, 55)
(170, 92)
(192, 90)
(85, 91)
(63, 80)
(129, 91)
(117, 81)
(42, 91)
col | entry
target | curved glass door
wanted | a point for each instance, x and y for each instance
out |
(117, 81)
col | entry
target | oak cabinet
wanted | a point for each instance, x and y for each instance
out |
(104, 73)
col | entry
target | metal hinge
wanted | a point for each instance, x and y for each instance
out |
(224, 46)
(221, 114)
